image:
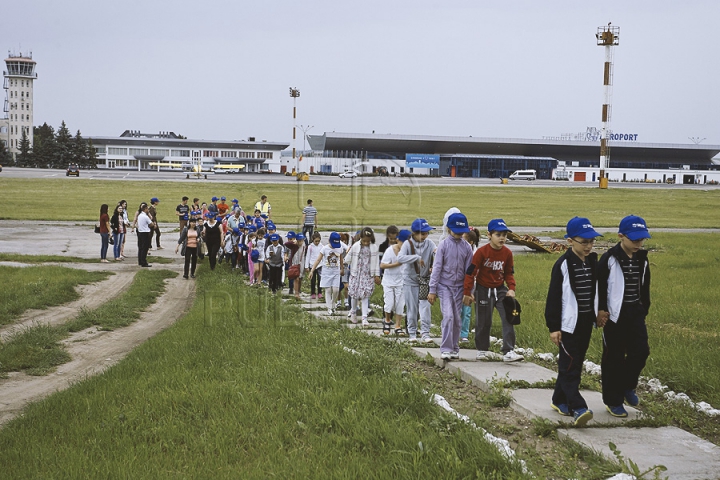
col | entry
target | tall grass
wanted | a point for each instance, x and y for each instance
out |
(263, 394)
(357, 205)
(40, 287)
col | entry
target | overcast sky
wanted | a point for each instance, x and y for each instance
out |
(221, 70)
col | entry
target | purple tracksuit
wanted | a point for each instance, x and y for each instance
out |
(452, 258)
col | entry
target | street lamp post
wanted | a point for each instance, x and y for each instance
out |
(305, 129)
(294, 93)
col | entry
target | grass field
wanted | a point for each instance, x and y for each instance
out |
(345, 205)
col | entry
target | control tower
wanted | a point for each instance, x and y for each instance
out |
(18, 108)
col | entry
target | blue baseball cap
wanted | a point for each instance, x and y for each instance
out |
(421, 225)
(404, 235)
(498, 225)
(236, 231)
(222, 198)
(299, 236)
(252, 228)
(457, 223)
(271, 226)
(580, 227)
(214, 199)
(154, 200)
(274, 237)
(263, 215)
(634, 228)
(290, 234)
(234, 200)
(334, 240)
(210, 214)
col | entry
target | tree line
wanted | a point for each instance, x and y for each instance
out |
(53, 149)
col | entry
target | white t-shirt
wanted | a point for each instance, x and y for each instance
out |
(394, 277)
(330, 262)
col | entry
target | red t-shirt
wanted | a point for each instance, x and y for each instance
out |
(104, 219)
(490, 268)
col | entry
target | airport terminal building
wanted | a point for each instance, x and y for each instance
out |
(569, 157)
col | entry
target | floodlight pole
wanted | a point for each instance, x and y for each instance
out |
(305, 129)
(294, 93)
(608, 37)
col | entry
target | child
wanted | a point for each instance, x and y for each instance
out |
(624, 302)
(491, 269)
(260, 242)
(298, 261)
(251, 244)
(392, 282)
(313, 251)
(331, 256)
(452, 259)
(292, 246)
(275, 258)
(416, 272)
(345, 244)
(473, 238)
(364, 263)
(570, 313)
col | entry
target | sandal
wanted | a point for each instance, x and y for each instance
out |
(400, 332)
(386, 327)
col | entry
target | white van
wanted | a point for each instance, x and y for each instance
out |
(524, 175)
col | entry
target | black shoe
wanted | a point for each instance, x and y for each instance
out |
(185, 277)
(146, 265)
(192, 275)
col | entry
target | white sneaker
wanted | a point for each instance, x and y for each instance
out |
(455, 355)
(427, 339)
(365, 322)
(330, 312)
(446, 355)
(353, 318)
(511, 356)
(487, 356)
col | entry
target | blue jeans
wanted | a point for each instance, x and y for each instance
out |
(118, 238)
(104, 243)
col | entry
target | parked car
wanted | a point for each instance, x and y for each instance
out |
(348, 174)
(524, 175)
(72, 169)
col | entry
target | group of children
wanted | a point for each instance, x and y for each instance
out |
(612, 293)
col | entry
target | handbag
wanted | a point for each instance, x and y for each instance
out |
(97, 228)
(293, 272)
(110, 240)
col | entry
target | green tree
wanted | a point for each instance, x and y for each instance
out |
(44, 144)
(64, 147)
(4, 154)
(91, 154)
(24, 158)
(79, 150)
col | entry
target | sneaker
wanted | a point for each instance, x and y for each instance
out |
(159, 248)
(365, 322)
(427, 339)
(487, 356)
(353, 318)
(464, 340)
(412, 339)
(312, 297)
(511, 356)
(330, 312)
(618, 411)
(446, 355)
(631, 398)
(562, 409)
(192, 275)
(582, 416)
(455, 355)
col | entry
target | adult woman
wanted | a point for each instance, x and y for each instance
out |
(126, 221)
(117, 223)
(104, 232)
(190, 240)
(211, 236)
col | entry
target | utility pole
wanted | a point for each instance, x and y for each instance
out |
(608, 37)
(294, 93)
